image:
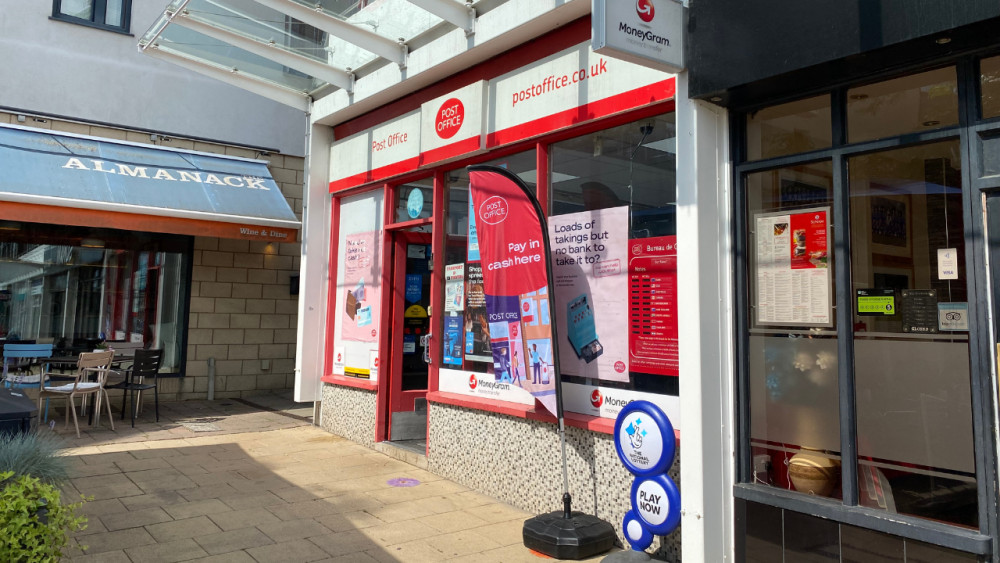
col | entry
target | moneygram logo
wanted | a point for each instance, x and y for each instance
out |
(645, 10)
(473, 382)
(596, 399)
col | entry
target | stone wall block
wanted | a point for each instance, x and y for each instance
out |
(206, 243)
(262, 276)
(277, 262)
(212, 320)
(234, 275)
(230, 305)
(203, 273)
(285, 335)
(286, 307)
(274, 321)
(244, 352)
(275, 292)
(248, 261)
(206, 351)
(202, 305)
(262, 306)
(234, 245)
(199, 336)
(260, 336)
(228, 367)
(244, 321)
(247, 290)
(227, 336)
(220, 259)
(216, 289)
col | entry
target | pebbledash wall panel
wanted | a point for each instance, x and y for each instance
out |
(518, 461)
(350, 413)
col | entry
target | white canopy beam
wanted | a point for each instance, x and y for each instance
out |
(372, 42)
(462, 16)
(280, 94)
(269, 50)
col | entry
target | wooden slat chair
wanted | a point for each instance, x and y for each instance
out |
(96, 363)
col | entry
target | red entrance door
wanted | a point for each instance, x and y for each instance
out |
(410, 327)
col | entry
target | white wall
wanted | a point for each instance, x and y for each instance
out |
(63, 69)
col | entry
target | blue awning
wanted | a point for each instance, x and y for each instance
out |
(64, 170)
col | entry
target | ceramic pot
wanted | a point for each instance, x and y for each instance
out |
(813, 474)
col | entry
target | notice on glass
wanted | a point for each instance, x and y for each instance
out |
(793, 274)
(454, 288)
(652, 268)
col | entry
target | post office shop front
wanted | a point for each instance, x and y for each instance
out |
(411, 357)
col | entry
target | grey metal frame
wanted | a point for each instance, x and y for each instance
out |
(983, 542)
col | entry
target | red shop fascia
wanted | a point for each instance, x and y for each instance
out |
(545, 91)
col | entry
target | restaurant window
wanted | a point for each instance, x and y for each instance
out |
(114, 15)
(77, 288)
(878, 343)
(613, 234)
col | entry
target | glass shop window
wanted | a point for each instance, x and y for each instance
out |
(83, 288)
(911, 335)
(466, 342)
(792, 347)
(911, 104)
(989, 86)
(415, 200)
(613, 234)
(799, 126)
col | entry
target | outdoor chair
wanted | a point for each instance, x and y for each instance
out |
(96, 363)
(18, 359)
(145, 365)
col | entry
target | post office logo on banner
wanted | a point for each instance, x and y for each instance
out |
(452, 125)
(494, 210)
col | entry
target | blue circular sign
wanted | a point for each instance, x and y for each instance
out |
(415, 203)
(657, 503)
(644, 439)
(639, 537)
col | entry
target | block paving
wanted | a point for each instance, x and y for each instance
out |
(268, 486)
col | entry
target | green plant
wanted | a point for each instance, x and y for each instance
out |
(33, 453)
(35, 523)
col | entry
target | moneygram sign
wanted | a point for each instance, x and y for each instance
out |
(645, 32)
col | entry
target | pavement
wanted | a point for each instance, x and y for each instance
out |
(253, 480)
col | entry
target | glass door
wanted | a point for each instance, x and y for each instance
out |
(409, 335)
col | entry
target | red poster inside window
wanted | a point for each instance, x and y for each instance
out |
(653, 305)
(808, 240)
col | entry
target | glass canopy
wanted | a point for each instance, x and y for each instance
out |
(215, 32)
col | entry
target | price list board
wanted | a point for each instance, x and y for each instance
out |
(653, 344)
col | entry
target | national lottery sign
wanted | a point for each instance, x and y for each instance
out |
(514, 250)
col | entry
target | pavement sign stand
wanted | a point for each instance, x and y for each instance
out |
(644, 440)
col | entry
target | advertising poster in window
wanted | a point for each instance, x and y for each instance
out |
(512, 247)
(590, 277)
(358, 292)
(792, 268)
(477, 329)
(454, 288)
(652, 266)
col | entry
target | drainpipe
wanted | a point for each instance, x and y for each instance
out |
(211, 379)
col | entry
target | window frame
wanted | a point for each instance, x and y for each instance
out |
(99, 10)
(847, 510)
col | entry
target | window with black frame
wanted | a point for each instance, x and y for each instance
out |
(114, 15)
(902, 301)
(82, 288)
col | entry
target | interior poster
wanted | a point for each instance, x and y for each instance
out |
(590, 277)
(652, 266)
(361, 294)
(512, 247)
(792, 268)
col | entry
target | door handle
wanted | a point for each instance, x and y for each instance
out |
(425, 341)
